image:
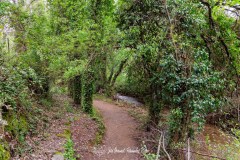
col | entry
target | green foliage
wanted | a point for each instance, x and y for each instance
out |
(69, 108)
(168, 53)
(175, 120)
(3, 7)
(96, 116)
(13, 88)
(69, 150)
(77, 89)
(87, 91)
(69, 153)
(17, 125)
(4, 154)
(21, 71)
(228, 28)
(75, 68)
(46, 102)
(191, 96)
(150, 156)
(174, 62)
(68, 146)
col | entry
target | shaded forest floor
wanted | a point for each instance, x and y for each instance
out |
(122, 137)
(64, 118)
(211, 142)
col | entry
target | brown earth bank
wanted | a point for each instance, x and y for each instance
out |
(50, 139)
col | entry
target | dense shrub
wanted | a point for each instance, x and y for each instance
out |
(77, 89)
(17, 100)
(190, 96)
(87, 91)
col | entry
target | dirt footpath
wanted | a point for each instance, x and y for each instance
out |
(120, 141)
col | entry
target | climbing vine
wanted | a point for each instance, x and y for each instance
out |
(177, 55)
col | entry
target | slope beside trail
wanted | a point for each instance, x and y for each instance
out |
(119, 142)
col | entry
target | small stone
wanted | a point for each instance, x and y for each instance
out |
(58, 157)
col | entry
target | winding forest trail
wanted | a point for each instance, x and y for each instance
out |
(120, 141)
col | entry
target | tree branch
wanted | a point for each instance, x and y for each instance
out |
(204, 155)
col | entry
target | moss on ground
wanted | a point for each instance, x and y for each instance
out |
(4, 153)
(96, 116)
(66, 134)
(17, 126)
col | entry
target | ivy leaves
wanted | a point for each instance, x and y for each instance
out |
(199, 92)
(3, 7)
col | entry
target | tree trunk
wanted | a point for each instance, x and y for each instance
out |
(77, 90)
(154, 108)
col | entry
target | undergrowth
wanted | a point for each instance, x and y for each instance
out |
(4, 153)
(96, 116)
(69, 153)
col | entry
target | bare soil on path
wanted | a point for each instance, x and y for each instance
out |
(120, 140)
